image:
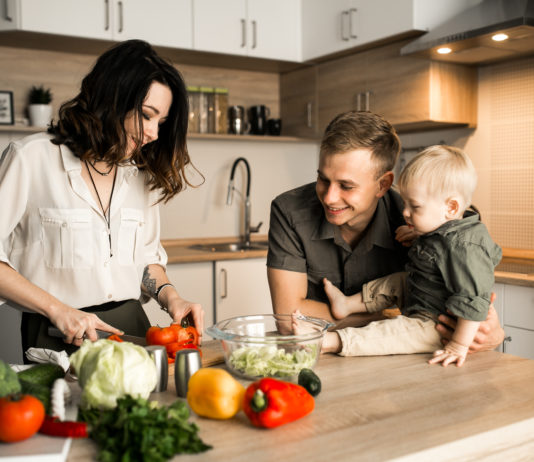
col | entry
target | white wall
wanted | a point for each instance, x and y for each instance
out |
(275, 167)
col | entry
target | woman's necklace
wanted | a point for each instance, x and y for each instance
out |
(98, 171)
(108, 217)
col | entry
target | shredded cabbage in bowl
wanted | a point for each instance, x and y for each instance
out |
(270, 361)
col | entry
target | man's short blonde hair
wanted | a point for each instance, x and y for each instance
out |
(446, 171)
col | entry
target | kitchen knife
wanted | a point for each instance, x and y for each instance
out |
(55, 332)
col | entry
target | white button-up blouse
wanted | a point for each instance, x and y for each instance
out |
(54, 234)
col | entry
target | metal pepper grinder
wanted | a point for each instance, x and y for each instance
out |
(187, 362)
(158, 354)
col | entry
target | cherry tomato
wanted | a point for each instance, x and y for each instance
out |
(156, 335)
(20, 417)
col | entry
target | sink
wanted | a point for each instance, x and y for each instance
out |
(230, 247)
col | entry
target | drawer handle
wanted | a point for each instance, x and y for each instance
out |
(224, 283)
(352, 11)
(343, 36)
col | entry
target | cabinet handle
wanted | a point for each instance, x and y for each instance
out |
(106, 27)
(224, 277)
(243, 33)
(254, 34)
(359, 102)
(7, 16)
(351, 15)
(368, 100)
(309, 109)
(343, 37)
(121, 18)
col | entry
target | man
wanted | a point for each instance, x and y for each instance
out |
(346, 227)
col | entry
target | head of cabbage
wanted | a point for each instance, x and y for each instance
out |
(108, 370)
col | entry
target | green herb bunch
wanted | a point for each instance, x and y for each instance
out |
(140, 430)
(40, 95)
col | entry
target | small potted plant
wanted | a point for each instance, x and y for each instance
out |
(39, 109)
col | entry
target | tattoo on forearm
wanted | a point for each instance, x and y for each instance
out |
(149, 283)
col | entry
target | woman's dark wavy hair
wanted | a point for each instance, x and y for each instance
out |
(92, 123)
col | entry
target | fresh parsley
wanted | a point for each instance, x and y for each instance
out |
(140, 430)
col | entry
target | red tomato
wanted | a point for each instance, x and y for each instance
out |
(156, 335)
(185, 335)
(20, 417)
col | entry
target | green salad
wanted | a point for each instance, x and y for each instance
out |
(270, 361)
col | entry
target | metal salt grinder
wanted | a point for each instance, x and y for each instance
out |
(187, 362)
(158, 354)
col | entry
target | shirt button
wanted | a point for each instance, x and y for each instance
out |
(140, 224)
(64, 224)
(109, 296)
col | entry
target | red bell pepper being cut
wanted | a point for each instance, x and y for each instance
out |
(270, 402)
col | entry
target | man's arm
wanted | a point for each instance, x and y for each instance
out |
(288, 293)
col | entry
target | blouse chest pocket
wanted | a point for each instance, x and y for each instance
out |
(130, 241)
(66, 238)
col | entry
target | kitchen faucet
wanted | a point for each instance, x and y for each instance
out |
(248, 229)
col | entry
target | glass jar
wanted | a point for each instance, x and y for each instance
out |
(193, 94)
(221, 110)
(207, 110)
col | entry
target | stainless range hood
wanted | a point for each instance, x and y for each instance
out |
(470, 35)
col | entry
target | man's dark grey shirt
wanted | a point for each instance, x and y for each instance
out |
(302, 240)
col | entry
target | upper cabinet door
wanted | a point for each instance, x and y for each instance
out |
(78, 18)
(220, 27)
(275, 29)
(166, 23)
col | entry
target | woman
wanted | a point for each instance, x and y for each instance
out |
(79, 234)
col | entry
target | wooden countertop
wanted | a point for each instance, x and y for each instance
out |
(512, 269)
(381, 408)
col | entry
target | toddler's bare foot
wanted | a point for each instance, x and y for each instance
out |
(338, 301)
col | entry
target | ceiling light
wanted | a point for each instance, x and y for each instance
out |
(444, 50)
(499, 37)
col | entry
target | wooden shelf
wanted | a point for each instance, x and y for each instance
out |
(191, 136)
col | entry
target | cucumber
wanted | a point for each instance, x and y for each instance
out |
(310, 381)
(42, 374)
(40, 391)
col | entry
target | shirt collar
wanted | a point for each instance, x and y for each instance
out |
(468, 219)
(378, 231)
(72, 163)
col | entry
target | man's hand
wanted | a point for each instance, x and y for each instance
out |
(489, 336)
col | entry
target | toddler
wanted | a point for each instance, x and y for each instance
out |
(451, 266)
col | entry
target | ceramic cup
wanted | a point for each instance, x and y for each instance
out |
(274, 127)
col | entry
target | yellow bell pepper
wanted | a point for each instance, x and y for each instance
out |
(214, 393)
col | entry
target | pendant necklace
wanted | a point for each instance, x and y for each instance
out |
(108, 216)
(98, 171)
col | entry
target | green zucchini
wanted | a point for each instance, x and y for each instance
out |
(310, 381)
(40, 391)
(42, 374)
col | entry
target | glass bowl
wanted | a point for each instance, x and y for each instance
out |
(270, 345)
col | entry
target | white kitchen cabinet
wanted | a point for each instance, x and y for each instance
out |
(241, 288)
(194, 282)
(336, 25)
(519, 320)
(160, 22)
(248, 27)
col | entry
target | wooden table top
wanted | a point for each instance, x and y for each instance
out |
(383, 408)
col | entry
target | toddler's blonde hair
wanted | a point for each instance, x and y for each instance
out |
(445, 170)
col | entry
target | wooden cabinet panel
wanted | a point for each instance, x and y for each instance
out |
(298, 103)
(411, 93)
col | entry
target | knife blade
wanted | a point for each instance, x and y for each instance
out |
(55, 332)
